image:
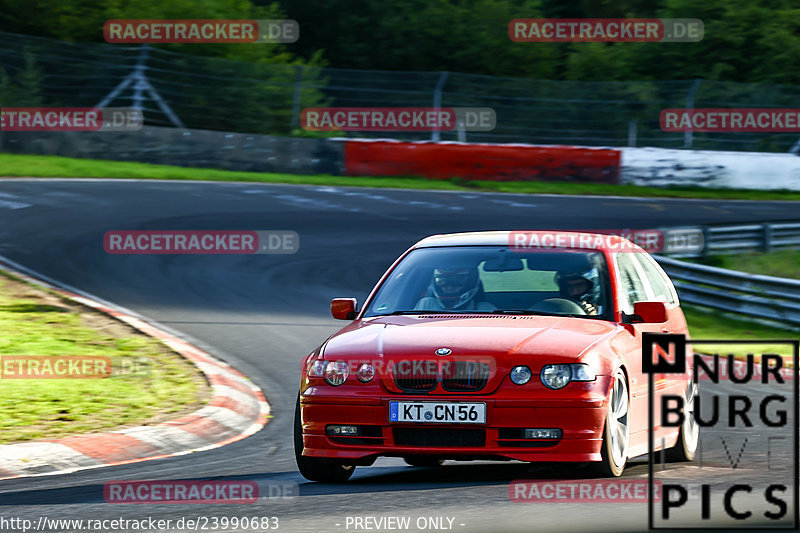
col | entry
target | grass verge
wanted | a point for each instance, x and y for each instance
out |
(148, 384)
(13, 165)
(780, 263)
(712, 325)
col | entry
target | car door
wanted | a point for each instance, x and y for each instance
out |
(634, 287)
(664, 291)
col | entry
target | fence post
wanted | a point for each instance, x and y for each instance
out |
(706, 241)
(137, 80)
(632, 133)
(140, 85)
(767, 234)
(296, 96)
(687, 136)
(437, 100)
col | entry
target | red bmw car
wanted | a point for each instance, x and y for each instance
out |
(494, 346)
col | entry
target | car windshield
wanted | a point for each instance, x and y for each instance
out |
(496, 279)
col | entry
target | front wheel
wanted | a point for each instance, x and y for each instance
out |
(316, 468)
(616, 433)
(689, 436)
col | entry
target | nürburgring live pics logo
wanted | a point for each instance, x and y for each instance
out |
(752, 408)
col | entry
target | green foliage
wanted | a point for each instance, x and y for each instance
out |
(745, 40)
(24, 90)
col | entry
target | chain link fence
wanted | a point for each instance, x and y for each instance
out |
(208, 93)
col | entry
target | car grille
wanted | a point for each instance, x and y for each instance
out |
(456, 376)
(440, 437)
(416, 384)
(465, 376)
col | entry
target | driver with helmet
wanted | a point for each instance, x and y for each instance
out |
(455, 288)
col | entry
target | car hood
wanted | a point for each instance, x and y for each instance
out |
(560, 339)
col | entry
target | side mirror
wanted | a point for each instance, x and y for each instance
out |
(648, 313)
(343, 308)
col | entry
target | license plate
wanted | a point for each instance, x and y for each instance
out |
(438, 412)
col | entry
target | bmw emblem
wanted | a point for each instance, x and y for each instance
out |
(443, 351)
(428, 415)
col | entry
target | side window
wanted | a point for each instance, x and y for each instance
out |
(662, 286)
(631, 286)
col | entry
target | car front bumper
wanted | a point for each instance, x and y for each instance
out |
(580, 417)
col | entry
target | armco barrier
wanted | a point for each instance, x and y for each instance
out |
(496, 162)
(752, 295)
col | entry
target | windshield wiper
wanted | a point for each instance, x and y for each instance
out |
(529, 312)
(436, 312)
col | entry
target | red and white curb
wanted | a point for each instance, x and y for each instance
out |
(237, 409)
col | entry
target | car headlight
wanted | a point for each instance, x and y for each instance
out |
(520, 375)
(336, 372)
(558, 376)
(317, 369)
(365, 373)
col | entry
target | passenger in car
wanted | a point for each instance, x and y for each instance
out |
(579, 287)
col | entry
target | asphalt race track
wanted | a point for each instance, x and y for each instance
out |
(262, 313)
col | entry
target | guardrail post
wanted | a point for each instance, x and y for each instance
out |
(706, 241)
(437, 100)
(296, 96)
(687, 136)
(767, 233)
(632, 133)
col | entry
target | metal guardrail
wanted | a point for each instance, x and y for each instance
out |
(750, 237)
(752, 295)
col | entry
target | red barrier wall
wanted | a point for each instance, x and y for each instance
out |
(496, 162)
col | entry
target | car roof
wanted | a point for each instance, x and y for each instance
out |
(525, 238)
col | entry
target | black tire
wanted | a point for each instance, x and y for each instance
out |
(315, 468)
(423, 461)
(608, 467)
(686, 447)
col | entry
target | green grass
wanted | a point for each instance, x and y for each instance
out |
(712, 325)
(781, 263)
(63, 167)
(148, 382)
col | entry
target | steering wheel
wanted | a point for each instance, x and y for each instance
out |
(558, 305)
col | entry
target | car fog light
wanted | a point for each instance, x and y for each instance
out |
(520, 375)
(347, 431)
(542, 433)
(365, 373)
(336, 372)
